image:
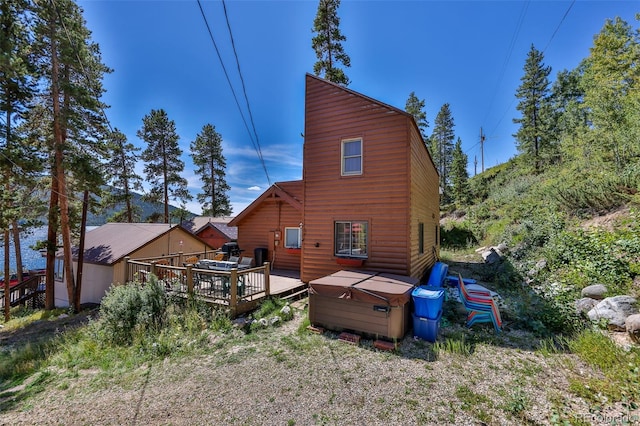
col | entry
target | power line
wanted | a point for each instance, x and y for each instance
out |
(559, 25)
(512, 44)
(235, 97)
(244, 90)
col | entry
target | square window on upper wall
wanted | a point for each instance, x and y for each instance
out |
(352, 157)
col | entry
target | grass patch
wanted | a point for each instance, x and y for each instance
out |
(454, 345)
(620, 368)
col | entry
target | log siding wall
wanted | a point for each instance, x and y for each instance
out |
(396, 191)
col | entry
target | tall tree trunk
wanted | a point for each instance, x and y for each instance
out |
(16, 245)
(52, 243)
(83, 226)
(7, 278)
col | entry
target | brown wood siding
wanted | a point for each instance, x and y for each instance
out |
(256, 230)
(380, 195)
(425, 207)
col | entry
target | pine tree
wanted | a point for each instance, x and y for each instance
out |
(17, 161)
(534, 138)
(162, 160)
(460, 176)
(121, 175)
(612, 93)
(72, 73)
(206, 152)
(415, 107)
(327, 43)
(441, 147)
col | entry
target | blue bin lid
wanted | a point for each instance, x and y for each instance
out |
(427, 292)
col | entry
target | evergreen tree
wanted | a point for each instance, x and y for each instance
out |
(121, 175)
(72, 73)
(17, 160)
(327, 43)
(570, 115)
(460, 176)
(534, 138)
(612, 85)
(415, 107)
(441, 147)
(206, 152)
(162, 160)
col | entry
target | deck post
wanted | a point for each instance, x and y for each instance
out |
(190, 279)
(180, 257)
(267, 284)
(234, 289)
(153, 268)
(126, 268)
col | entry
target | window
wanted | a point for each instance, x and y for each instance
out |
(351, 157)
(421, 238)
(351, 238)
(58, 269)
(292, 238)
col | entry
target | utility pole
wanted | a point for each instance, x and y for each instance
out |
(482, 148)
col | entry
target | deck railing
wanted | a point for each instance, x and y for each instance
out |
(237, 289)
(30, 291)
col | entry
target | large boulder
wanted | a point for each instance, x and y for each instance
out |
(615, 311)
(585, 304)
(632, 325)
(595, 291)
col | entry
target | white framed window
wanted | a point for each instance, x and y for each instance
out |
(352, 157)
(351, 238)
(292, 238)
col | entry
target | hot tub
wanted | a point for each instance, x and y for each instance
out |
(375, 304)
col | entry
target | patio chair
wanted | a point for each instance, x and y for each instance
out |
(246, 262)
(193, 260)
(234, 259)
(218, 256)
(480, 306)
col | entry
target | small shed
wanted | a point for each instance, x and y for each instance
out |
(215, 231)
(108, 246)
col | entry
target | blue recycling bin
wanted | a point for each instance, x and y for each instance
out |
(427, 301)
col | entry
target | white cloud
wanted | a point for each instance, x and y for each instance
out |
(254, 188)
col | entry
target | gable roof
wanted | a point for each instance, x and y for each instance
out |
(111, 242)
(409, 116)
(197, 224)
(290, 191)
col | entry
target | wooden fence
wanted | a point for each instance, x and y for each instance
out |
(239, 290)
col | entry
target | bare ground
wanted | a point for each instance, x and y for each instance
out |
(283, 377)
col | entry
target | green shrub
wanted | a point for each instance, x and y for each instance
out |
(133, 308)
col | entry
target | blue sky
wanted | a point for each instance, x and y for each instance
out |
(469, 54)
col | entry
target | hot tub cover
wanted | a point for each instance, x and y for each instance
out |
(368, 287)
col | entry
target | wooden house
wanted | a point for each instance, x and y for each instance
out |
(108, 246)
(272, 222)
(369, 197)
(215, 231)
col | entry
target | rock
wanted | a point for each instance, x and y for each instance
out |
(490, 256)
(595, 291)
(632, 325)
(585, 304)
(615, 311)
(502, 247)
(542, 263)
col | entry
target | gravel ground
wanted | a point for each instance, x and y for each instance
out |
(282, 377)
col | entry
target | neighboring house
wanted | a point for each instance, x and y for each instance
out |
(215, 231)
(273, 221)
(108, 246)
(369, 195)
